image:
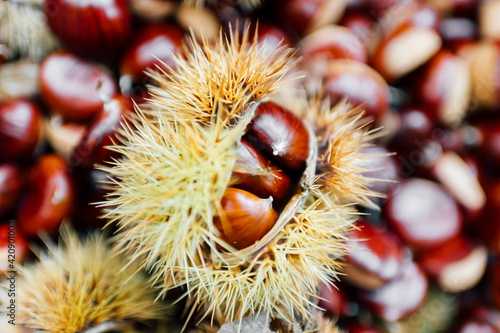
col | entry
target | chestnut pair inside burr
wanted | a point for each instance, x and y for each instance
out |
(271, 158)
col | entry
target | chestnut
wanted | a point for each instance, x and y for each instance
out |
(377, 256)
(360, 23)
(456, 265)
(409, 43)
(332, 42)
(90, 27)
(49, 198)
(20, 130)
(459, 179)
(153, 10)
(202, 21)
(62, 136)
(399, 297)
(308, 15)
(382, 168)
(271, 38)
(333, 300)
(281, 135)
(73, 88)
(255, 173)
(244, 218)
(11, 183)
(360, 84)
(423, 214)
(444, 88)
(154, 45)
(100, 133)
(415, 141)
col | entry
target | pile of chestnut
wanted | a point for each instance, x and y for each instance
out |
(427, 71)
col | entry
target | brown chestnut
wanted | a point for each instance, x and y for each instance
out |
(100, 133)
(281, 135)
(408, 42)
(360, 84)
(20, 130)
(361, 24)
(333, 300)
(445, 87)
(255, 173)
(153, 10)
(423, 213)
(11, 183)
(377, 256)
(308, 15)
(89, 27)
(245, 218)
(153, 45)
(456, 265)
(63, 136)
(332, 42)
(460, 181)
(401, 296)
(49, 198)
(73, 88)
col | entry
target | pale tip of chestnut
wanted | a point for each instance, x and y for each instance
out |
(460, 181)
(63, 138)
(361, 278)
(328, 13)
(456, 104)
(153, 10)
(202, 22)
(465, 273)
(407, 51)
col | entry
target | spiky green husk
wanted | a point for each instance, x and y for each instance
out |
(81, 284)
(24, 30)
(178, 156)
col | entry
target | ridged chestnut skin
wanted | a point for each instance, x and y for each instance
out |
(92, 27)
(49, 197)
